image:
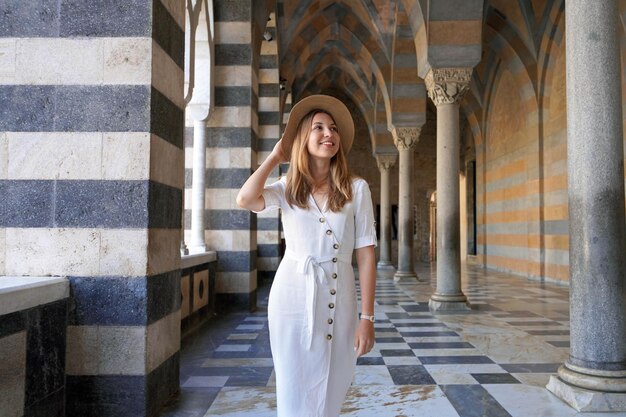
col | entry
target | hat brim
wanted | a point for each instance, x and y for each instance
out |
(339, 112)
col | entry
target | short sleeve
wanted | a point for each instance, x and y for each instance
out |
(364, 222)
(274, 196)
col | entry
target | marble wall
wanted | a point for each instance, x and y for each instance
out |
(91, 174)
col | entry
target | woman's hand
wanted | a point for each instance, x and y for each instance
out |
(364, 338)
(277, 153)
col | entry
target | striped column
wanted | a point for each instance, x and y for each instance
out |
(268, 224)
(91, 177)
(232, 154)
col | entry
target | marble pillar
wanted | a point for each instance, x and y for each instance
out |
(405, 138)
(385, 162)
(197, 244)
(445, 87)
(594, 377)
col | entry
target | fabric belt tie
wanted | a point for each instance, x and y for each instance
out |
(315, 277)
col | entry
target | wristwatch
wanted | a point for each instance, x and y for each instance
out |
(366, 317)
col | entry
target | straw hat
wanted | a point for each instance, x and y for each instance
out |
(334, 107)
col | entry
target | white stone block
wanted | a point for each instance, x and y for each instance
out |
(106, 350)
(233, 200)
(13, 374)
(218, 158)
(126, 156)
(269, 76)
(3, 249)
(231, 117)
(163, 250)
(233, 75)
(268, 237)
(166, 163)
(244, 240)
(123, 252)
(49, 61)
(50, 156)
(163, 338)
(269, 103)
(270, 48)
(127, 61)
(4, 156)
(217, 199)
(7, 60)
(240, 157)
(187, 197)
(233, 32)
(189, 157)
(269, 131)
(219, 239)
(167, 77)
(51, 251)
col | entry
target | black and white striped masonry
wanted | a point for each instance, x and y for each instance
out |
(91, 174)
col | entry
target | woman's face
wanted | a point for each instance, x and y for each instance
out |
(324, 138)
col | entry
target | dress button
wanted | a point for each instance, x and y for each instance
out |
(334, 275)
(333, 292)
(329, 336)
(331, 305)
(322, 220)
(334, 260)
(336, 246)
(329, 232)
(330, 321)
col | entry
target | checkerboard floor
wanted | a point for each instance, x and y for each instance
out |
(494, 360)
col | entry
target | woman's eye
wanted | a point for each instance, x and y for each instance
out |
(334, 129)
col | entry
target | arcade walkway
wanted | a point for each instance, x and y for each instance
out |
(494, 361)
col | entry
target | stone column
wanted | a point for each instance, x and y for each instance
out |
(405, 138)
(385, 162)
(197, 244)
(445, 87)
(594, 376)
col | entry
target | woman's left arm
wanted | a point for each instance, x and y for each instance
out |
(366, 260)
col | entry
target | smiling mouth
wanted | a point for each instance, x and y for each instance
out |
(327, 143)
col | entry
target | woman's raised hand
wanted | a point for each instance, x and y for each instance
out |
(277, 153)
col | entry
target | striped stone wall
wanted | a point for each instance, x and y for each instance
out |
(268, 224)
(91, 122)
(231, 155)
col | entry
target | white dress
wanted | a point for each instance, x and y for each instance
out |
(312, 308)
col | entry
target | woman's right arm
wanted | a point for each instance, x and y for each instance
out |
(251, 194)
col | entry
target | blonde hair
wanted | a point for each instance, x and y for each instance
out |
(299, 179)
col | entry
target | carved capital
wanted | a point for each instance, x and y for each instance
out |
(447, 85)
(386, 161)
(405, 137)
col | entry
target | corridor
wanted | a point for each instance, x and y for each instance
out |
(493, 361)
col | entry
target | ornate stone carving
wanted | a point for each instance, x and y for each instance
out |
(447, 85)
(405, 137)
(386, 161)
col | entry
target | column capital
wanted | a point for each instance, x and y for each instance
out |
(405, 137)
(386, 161)
(447, 85)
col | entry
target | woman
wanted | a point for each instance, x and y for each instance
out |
(315, 331)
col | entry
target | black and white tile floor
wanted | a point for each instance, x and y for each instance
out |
(492, 361)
